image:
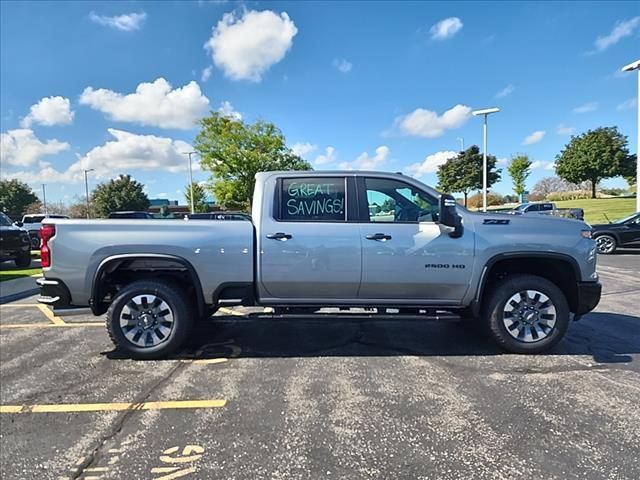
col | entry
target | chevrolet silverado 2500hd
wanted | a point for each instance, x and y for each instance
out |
(326, 239)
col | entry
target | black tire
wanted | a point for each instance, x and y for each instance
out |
(23, 260)
(606, 244)
(496, 318)
(172, 296)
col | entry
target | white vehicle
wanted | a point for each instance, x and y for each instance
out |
(32, 224)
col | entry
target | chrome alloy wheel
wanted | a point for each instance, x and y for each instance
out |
(529, 316)
(146, 320)
(605, 244)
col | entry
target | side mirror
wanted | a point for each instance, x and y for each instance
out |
(449, 215)
(19, 224)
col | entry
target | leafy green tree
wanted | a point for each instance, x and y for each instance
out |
(389, 205)
(120, 194)
(199, 198)
(628, 170)
(15, 198)
(234, 151)
(593, 156)
(519, 169)
(463, 173)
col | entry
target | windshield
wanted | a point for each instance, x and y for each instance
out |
(5, 221)
(626, 219)
(519, 208)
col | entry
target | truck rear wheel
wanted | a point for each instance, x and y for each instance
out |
(149, 319)
(23, 260)
(526, 314)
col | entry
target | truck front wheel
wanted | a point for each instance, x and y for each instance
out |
(526, 314)
(149, 319)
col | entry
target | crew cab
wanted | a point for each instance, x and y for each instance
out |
(315, 242)
(547, 208)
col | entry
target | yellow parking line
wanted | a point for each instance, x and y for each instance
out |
(207, 361)
(51, 325)
(49, 314)
(112, 407)
(228, 311)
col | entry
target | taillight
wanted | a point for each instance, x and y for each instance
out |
(46, 232)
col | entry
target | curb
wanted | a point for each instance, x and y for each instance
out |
(18, 296)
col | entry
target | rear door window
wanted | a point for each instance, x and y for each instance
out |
(312, 199)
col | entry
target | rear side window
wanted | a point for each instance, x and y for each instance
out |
(547, 206)
(312, 199)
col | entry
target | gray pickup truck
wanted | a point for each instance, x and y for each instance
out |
(326, 239)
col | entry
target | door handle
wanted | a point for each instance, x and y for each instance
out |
(279, 236)
(378, 236)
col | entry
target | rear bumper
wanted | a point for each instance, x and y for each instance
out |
(588, 296)
(53, 292)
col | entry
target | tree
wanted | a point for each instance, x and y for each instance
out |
(519, 169)
(628, 170)
(594, 155)
(234, 151)
(122, 193)
(199, 198)
(15, 197)
(548, 185)
(463, 173)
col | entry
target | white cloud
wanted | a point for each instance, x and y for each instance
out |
(502, 161)
(303, 149)
(430, 163)
(246, 47)
(227, 110)
(126, 153)
(342, 65)
(426, 123)
(49, 111)
(21, 147)
(206, 73)
(541, 164)
(586, 108)
(628, 104)
(365, 162)
(446, 28)
(328, 157)
(508, 90)
(565, 130)
(622, 29)
(535, 137)
(152, 104)
(126, 23)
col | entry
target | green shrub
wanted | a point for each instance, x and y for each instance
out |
(575, 195)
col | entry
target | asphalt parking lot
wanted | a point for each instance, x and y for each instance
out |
(255, 397)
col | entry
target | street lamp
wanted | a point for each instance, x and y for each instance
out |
(484, 112)
(461, 139)
(44, 197)
(629, 68)
(190, 180)
(86, 189)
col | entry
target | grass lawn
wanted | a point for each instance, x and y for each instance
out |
(13, 273)
(594, 209)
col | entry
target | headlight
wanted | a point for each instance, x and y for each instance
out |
(585, 233)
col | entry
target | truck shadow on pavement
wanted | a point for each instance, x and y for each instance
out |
(607, 337)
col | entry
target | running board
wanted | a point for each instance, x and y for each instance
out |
(67, 312)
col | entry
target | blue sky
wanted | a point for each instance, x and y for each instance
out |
(118, 86)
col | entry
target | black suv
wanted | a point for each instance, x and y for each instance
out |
(622, 233)
(15, 243)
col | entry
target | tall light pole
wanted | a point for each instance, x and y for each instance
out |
(190, 180)
(629, 68)
(44, 197)
(485, 112)
(461, 139)
(86, 189)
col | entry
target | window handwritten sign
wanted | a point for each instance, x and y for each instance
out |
(313, 199)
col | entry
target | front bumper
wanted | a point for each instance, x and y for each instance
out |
(588, 297)
(53, 292)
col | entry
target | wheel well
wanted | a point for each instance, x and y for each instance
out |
(117, 273)
(558, 271)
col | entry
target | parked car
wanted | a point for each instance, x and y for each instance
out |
(14, 243)
(218, 216)
(621, 233)
(32, 223)
(547, 208)
(312, 244)
(131, 215)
